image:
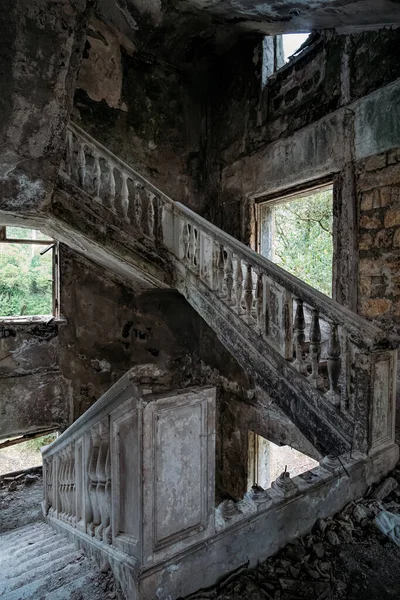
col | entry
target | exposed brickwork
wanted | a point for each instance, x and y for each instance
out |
(379, 238)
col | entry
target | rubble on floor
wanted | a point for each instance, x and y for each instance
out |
(344, 557)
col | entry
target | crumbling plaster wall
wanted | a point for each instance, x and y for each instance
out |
(146, 111)
(40, 49)
(34, 396)
(332, 112)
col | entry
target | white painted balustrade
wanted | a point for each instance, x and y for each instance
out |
(340, 358)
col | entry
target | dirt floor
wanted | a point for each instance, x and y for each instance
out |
(20, 501)
(345, 558)
(19, 457)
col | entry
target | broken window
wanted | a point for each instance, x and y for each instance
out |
(277, 50)
(295, 232)
(292, 43)
(28, 273)
(266, 461)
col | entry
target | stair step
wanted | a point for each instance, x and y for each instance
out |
(49, 567)
(28, 543)
(37, 561)
(18, 534)
(84, 584)
(35, 550)
(37, 589)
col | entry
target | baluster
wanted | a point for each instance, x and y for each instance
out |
(315, 346)
(185, 240)
(220, 269)
(137, 206)
(97, 177)
(260, 303)
(69, 155)
(107, 534)
(62, 484)
(102, 480)
(111, 186)
(81, 164)
(150, 213)
(334, 364)
(228, 277)
(214, 265)
(299, 336)
(248, 293)
(95, 517)
(238, 285)
(192, 245)
(125, 197)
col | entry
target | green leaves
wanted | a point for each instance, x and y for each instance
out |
(26, 286)
(303, 239)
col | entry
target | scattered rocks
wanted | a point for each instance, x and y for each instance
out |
(13, 486)
(313, 566)
(385, 488)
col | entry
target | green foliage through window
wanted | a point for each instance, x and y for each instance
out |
(26, 281)
(303, 239)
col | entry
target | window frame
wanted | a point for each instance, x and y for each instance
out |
(263, 201)
(53, 245)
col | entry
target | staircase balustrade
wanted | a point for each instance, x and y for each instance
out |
(350, 372)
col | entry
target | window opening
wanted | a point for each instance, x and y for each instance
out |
(266, 461)
(20, 453)
(295, 232)
(28, 273)
(292, 42)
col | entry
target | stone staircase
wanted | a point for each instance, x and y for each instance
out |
(36, 562)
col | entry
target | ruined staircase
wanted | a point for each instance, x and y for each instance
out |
(38, 563)
(332, 372)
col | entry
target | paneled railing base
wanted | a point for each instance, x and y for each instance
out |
(243, 538)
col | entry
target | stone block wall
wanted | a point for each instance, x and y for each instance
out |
(378, 184)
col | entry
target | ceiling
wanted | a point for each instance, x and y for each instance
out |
(168, 27)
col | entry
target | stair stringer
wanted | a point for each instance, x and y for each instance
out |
(272, 372)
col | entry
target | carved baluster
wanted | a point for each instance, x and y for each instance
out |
(238, 285)
(220, 270)
(72, 486)
(197, 248)
(228, 277)
(184, 240)
(107, 534)
(137, 206)
(125, 197)
(260, 303)
(81, 164)
(150, 214)
(69, 154)
(315, 346)
(95, 517)
(192, 245)
(102, 480)
(111, 186)
(97, 177)
(248, 293)
(334, 364)
(299, 336)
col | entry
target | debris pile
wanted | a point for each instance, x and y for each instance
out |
(327, 563)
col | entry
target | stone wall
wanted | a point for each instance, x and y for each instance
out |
(145, 111)
(379, 239)
(34, 396)
(41, 46)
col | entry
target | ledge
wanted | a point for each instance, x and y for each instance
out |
(33, 320)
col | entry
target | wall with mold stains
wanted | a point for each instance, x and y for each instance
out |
(145, 111)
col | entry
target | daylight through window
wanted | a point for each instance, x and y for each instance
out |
(296, 233)
(27, 273)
